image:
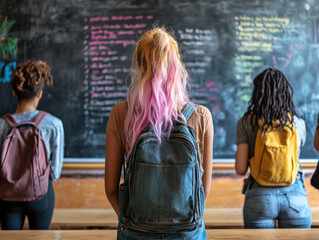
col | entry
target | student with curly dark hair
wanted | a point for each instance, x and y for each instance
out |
(270, 134)
(28, 81)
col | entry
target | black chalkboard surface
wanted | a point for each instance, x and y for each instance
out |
(224, 44)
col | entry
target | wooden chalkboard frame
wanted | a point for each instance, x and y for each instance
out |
(217, 166)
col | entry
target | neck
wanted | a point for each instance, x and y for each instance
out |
(26, 106)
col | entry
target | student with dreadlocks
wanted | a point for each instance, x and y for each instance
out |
(271, 134)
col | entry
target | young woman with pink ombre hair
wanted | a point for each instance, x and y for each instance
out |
(155, 98)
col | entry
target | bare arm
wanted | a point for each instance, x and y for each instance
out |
(241, 157)
(113, 165)
(208, 157)
(316, 139)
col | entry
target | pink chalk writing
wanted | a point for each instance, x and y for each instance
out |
(125, 43)
(103, 37)
(102, 82)
(121, 18)
(218, 105)
(125, 33)
(95, 27)
(107, 70)
(108, 45)
(100, 65)
(103, 48)
(212, 86)
(116, 26)
(94, 53)
(212, 97)
(94, 95)
(97, 59)
(96, 78)
(98, 19)
(102, 88)
(134, 26)
(97, 32)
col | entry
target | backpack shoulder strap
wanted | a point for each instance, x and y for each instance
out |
(38, 119)
(188, 110)
(10, 120)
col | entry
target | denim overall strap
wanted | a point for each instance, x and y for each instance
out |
(188, 110)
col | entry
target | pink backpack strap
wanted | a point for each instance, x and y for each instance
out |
(10, 120)
(38, 119)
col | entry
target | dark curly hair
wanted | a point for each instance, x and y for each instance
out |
(271, 101)
(29, 78)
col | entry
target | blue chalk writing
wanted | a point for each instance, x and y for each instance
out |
(6, 71)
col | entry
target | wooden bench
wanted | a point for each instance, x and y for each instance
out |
(68, 217)
(106, 218)
(239, 234)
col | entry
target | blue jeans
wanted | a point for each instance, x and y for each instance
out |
(198, 234)
(39, 212)
(288, 205)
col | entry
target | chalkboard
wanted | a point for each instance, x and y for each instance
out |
(224, 44)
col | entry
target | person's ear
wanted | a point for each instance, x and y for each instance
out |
(13, 93)
(40, 94)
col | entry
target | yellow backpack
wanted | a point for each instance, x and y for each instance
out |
(275, 160)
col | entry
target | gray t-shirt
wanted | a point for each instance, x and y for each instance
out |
(246, 133)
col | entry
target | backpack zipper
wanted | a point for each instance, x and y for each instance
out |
(197, 162)
(261, 159)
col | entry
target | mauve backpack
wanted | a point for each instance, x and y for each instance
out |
(25, 169)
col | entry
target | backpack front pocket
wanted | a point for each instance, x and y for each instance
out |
(163, 194)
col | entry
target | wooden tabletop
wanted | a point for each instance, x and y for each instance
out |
(244, 234)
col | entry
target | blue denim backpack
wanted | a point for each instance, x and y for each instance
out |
(162, 190)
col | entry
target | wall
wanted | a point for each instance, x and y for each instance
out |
(88, 192)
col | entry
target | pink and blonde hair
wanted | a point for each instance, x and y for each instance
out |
(158, 89)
